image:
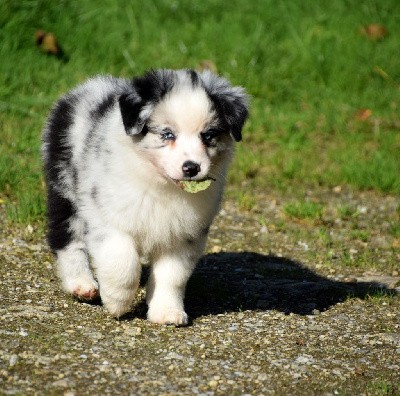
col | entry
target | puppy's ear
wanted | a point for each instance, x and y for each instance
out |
(134, 113)
(232, 108)
(147, 90)
(231, 103)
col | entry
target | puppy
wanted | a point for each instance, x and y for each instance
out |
(115, 154)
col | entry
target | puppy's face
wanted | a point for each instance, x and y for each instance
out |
(184, 137)
(185, 122)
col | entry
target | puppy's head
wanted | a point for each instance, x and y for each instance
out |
(184, 121)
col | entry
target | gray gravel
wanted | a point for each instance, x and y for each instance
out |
(275, 310)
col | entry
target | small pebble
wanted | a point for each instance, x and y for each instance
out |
(350, 280)
(337, 189)
(216, 249)
(62, 383)
(13, 360)
(213, 384)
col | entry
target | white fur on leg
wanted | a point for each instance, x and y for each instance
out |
(166, 289)
(118, 271)
(74, 272)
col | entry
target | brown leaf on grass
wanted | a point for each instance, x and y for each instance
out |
(47, 43)
(363, 114)
(374, 31)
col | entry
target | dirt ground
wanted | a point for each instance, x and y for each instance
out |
(279, 305)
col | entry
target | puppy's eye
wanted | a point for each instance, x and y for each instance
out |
(167, 134)
(209, 137)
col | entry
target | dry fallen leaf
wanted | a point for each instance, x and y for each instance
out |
(363, 114)
(47, 42)
(374, 31)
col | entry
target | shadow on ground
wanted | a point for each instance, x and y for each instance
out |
(233, 282)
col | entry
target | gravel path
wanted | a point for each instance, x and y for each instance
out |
(277, 307)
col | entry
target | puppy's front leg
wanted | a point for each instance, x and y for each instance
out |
(118, 271)
(166, 289)
(167, 283)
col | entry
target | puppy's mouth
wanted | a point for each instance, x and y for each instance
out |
(193, 186)
(192, 179)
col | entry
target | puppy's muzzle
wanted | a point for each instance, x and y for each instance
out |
(190, 168)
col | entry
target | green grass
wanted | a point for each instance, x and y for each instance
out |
(346, 211)
(361, 235)
(394, 229)
(324, 236)
(305, 64)
(246, 201)
(383, 387)
(304, 210)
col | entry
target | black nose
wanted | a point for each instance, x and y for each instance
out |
(190, 168)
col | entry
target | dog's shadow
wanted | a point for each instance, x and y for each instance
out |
(233, 282)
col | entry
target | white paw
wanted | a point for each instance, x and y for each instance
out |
(116, 308)
(83, 287)
(117, 304)
(168, 316)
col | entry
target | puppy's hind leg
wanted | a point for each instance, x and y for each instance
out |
(65, 238)
(74, 272)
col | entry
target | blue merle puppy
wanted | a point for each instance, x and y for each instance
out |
(116, 152)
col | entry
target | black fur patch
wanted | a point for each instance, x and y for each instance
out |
(130, 105)
(154, 85)
(150, 88)
(58, 150)
(194, 77)
(58, 156)
(232, 112)
(229, 102)
(59, 212)
(102, 109)
(95, 115)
